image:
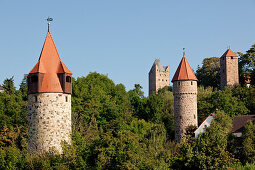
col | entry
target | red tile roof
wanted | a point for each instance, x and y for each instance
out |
(50, 64)
(184, 71)
(229, 53)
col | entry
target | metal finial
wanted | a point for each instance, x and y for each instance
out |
(49, 20)
(183, 52)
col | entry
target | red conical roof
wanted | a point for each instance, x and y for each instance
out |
(50, 64)
(184, 71)
(229, 53)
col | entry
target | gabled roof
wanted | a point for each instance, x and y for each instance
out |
(50, 64)
(211, 114)
(184, 71)
(239, 122)
(229, 53)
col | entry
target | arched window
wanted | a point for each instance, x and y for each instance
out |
(34, 79)
(68, 79)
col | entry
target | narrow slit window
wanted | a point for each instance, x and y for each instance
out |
(35, 98)
(66, 98)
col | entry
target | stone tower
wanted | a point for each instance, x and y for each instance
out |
(229, 75)
(49, 101)
(185, 99)
(159, 76)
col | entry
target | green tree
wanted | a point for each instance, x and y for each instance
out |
(8, 85)
(209, 73)
(247, 64)
(209, 150)
(249, 142)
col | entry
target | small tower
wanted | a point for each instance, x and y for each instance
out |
(185, 99)
(49, 101)
(229, 69)
(159, 76)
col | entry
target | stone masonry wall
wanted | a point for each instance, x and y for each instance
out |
(49, 121)
(229, 71)
(185, 106)
(158, 79)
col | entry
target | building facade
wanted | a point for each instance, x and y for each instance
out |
(185, 99)
(229, 69)
(49, 101)
(159, 77)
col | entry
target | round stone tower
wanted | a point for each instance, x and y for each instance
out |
(49, 101)
(185, 99)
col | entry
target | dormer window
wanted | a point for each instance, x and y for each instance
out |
(34, 79)
(68, 79)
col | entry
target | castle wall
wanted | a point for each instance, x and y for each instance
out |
(49, 121)
(185, 106)
(229, 71)
(158, 79)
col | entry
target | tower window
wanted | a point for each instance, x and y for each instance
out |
(162, 79)
(232, 57)
(34, 79)
(179, 83)
(66, 99)
(68, 79)
(35, 98)
(191, 82)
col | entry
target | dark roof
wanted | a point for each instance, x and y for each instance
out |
(239, 122)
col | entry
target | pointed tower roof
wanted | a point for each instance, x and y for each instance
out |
(229, 53)
(184, 71)
(50, 64)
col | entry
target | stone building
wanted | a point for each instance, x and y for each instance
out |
(229, 69)
(159, 77)
(185, 99)
(49, 101)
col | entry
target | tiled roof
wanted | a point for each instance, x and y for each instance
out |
(50, 64)
(239, 122)
(184, 71)
(229, 53)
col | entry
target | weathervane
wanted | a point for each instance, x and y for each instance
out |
(49, 20)
(183, 52)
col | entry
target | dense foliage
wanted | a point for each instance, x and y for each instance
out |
(118, 129)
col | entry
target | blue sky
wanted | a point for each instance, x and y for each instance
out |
(122, 38)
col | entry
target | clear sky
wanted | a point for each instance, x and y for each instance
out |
(122, 38)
